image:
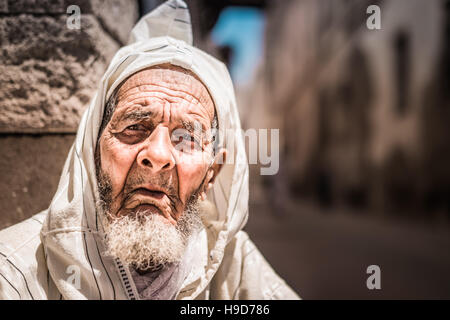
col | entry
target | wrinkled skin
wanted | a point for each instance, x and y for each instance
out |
(151, 168)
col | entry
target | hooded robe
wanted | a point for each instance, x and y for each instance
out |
(59, 253)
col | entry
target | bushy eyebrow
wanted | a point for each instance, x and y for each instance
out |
(136, 115)
(141, 115)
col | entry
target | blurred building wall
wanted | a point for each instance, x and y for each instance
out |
(363, 113)
(48, 75)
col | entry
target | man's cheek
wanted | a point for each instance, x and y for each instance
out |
(189, 177)
(118, 162)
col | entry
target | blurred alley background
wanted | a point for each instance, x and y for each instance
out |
(364, 120)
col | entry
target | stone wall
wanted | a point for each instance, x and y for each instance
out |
(48, 75)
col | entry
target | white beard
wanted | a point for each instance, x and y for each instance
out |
(150, 242)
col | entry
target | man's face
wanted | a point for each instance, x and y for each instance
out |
(156, 151)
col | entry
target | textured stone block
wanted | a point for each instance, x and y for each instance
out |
(116, 17)
(48, 72)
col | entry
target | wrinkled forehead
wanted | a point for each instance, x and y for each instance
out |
(168, 77)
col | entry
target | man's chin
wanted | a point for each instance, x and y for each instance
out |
(144, 238)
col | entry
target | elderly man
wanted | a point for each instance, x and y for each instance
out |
(153, 195)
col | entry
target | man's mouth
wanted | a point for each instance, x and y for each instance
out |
(144, 196)
(144, 201)
(150, 193)
(151, 207)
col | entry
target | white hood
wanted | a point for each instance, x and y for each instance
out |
(72, 234)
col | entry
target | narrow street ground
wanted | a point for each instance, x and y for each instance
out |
(325, 255)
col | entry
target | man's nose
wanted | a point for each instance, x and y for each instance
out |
(157, 154)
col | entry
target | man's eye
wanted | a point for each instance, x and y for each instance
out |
(185, 141)
(133, 134)
(134, 127)
(183, 138)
